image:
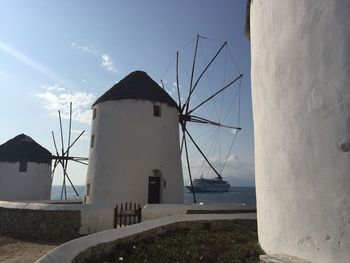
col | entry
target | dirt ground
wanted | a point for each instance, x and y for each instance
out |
(15, 250)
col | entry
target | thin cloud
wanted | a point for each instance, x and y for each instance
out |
(107, 63)
(56, 98)
(105, 60)
(32, 63)
(55, 87)
(88, 49)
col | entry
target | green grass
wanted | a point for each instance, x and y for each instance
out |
(238, 243)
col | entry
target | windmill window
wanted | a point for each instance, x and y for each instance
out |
(156, 111)
(92, 142)
(94, 114)
(22, 166)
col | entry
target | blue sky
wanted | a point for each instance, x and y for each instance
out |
(53, 52)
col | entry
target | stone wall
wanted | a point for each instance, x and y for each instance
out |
(43, 225)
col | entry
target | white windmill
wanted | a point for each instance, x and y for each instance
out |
(135, 151)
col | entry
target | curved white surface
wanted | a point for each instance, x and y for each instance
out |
(301, 103)
(34, 184)
(129, 144)
(68, 251)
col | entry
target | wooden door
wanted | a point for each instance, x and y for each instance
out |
(154, 190)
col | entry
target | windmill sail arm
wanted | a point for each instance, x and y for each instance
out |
(177, 80)
(206, 121)
(54, 142)
(66, 175)
(216, 93)
(79, 162)
(70, 146)
(189, 169)
(201, 152)
(206, 68)
(54, 157)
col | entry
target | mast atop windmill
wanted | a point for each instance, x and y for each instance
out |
(63, 157)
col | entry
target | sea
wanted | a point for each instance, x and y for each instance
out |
(242, 195)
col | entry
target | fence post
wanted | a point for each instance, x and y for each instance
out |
(126, 208)
(120, 216)
(139, 214)
(115, 223)
(134, 217)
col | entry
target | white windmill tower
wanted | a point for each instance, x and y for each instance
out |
(134, 151)
(25, 170)
(301, 102)
(25, 167)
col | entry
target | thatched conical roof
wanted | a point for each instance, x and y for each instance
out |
(138, 86)
(24, 148)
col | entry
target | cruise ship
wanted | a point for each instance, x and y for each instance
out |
(209, 185)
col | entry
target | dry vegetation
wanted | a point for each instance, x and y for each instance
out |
(236, 244)
(15, 250)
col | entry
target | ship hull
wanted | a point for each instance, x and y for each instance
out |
(198, 189)
(204, 185)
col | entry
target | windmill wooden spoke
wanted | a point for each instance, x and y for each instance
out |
(63, 189)
(206, 68)
(198, 121)
(201, 152)
(216, 93)
(54, 142)
(74, 160)
(80, 158)
(69, 158)
(53, 170)
(69, 135)
(195, 80)
(189, 170)
(177, 79)
(64, 181)
(59, 116)
(182, 142)
(63, 158)
(192, 73)
(74, 141)
(206, 121)
(75, 190)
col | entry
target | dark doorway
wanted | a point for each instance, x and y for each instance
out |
(154, 190)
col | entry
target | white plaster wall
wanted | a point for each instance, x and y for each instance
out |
(35, 184)
(301, 105)
(129, 144)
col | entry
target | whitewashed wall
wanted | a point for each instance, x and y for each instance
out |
(35, 184)
(129, 144)
(301, 102)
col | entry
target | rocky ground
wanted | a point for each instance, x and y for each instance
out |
(15, 250)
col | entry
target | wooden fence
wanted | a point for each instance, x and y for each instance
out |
(127, 214)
